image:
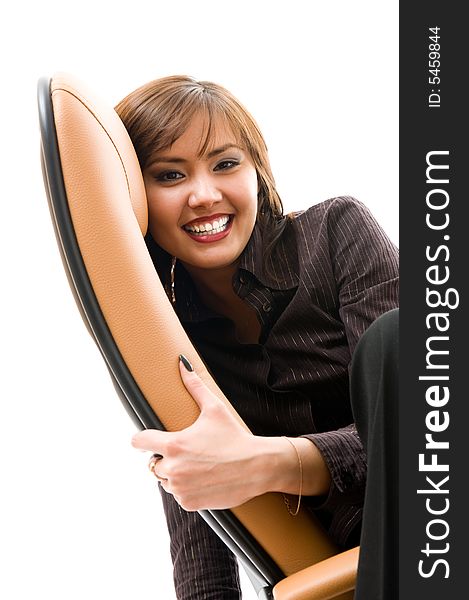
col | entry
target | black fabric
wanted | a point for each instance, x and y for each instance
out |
(335, 273)
(374, 396)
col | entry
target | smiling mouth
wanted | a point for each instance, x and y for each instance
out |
(214, 227)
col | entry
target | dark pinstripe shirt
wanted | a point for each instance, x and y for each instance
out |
(335, 273)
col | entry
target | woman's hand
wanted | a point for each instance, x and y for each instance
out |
(216, 463)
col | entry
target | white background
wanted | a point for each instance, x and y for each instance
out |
(80, 515)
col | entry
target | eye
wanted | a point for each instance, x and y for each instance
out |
(168, 176)
(227, 164)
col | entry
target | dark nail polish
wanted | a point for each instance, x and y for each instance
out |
(186, 363)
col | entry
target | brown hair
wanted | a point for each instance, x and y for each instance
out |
(159, 112)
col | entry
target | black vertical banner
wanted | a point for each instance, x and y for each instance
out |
(434, 327)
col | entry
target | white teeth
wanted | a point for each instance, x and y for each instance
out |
(208, 228)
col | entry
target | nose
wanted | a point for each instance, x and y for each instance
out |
(204, 193)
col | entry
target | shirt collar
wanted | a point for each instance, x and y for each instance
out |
(285, 269)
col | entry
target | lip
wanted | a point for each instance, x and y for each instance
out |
(208, 239)
(207, 219)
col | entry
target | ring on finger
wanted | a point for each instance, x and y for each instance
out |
(153, 461)
(152, 465)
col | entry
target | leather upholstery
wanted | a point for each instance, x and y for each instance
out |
(326, 580)
(107, 203)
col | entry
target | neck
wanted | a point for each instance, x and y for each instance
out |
(215, 286)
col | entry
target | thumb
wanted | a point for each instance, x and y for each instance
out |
(195, 386)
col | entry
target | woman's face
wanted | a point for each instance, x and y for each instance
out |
(202, 209)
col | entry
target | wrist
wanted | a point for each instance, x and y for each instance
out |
(271, 465)
(280, 464)
(316, 475)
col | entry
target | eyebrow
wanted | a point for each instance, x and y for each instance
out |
(211, 154)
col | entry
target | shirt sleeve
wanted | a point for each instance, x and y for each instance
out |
(203, 566)
(365, 266)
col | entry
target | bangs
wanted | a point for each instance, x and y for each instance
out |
(170, 122)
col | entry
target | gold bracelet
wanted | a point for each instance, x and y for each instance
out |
(300, 464)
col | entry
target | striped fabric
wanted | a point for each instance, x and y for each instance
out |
(334, 273)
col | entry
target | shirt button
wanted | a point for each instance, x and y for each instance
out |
(266, 307)
(242, 279)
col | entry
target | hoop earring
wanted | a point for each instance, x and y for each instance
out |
(170, 288)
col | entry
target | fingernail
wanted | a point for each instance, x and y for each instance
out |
(186, 363)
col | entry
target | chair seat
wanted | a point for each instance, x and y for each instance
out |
(333, 578)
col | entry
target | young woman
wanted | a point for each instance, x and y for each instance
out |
(275, 305)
